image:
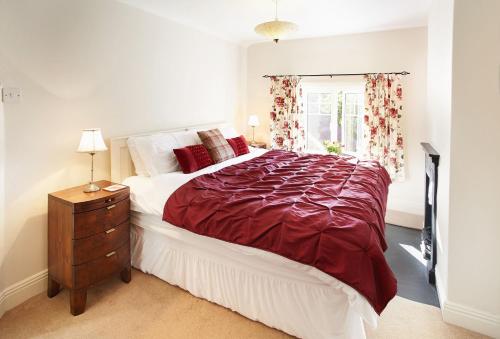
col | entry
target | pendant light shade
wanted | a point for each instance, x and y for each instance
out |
(276, 29)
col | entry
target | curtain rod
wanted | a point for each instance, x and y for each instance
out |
(333, 74)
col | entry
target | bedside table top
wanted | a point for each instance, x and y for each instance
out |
(75, 195)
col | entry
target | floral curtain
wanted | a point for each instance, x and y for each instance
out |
(383, 109)
(287, 116)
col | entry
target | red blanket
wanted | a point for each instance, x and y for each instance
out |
(319, 210)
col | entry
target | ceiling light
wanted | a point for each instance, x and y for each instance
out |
(276, 29)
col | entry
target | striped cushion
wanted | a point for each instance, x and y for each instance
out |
(217, 146)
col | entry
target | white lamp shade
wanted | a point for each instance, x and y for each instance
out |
(253, 120)
(91, 141)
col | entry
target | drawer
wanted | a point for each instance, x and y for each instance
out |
(95, 204)
(97, 221)
(98, 245)
(99, 269)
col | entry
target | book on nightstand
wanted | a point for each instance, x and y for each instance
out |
(114, 188)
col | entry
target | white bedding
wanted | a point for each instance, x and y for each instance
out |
(149, 194)
(293, 297)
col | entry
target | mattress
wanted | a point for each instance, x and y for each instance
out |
(261, 285)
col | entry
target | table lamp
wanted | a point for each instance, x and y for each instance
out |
(253, 121)
(91, 142)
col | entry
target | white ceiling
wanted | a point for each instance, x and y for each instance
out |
(235, 20)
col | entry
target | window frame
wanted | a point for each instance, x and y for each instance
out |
(334, 87)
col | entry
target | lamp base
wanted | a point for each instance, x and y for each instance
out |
(91, 187)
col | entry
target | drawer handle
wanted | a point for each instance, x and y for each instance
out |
(110, 230)
(110, 207)
(109, 200)
(110, 254)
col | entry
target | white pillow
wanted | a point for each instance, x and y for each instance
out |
(156, 153)
(164, 160)
(229, 132)
(136, 159)
(186, 138)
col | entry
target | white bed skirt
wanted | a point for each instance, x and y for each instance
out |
(300, 308)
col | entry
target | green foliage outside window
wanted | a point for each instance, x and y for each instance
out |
(333, 147)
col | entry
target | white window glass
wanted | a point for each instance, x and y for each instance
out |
(353, 113)
(334, 113)
(319, 119)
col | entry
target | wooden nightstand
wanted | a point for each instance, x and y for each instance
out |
(258, 144)
(89, 240)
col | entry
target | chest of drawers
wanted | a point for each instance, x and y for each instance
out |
(88, 240)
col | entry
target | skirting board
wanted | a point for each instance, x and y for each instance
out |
(471, 319)
(404, 219)
(466, 317)
(22, 290)
(441, 291)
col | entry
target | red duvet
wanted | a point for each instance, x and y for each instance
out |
(319, 210)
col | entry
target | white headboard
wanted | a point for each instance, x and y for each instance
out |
(121, 162)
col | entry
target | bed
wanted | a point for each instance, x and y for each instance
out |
(296, 298)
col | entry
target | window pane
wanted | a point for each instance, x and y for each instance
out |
(326, 108)
(312, 103)
(318, 130)
(313, 97)
(313, 108)
(353, 103)
(326, 103)
(348, 106)
(351, 133)
(326, 98)
(352, 114)
(340, 97)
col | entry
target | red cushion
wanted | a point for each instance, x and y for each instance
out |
(193, 158)
(201, 155)
(239, 145)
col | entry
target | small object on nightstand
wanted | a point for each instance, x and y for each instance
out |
(88, 240)
(114, 188)
(258, 144)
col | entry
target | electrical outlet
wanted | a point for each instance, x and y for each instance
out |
(11, 95)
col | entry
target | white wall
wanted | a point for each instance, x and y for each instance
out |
(94, 63)
(440, 38)
(370, 52)
(2, 185)
(464, 106)
(474, 280)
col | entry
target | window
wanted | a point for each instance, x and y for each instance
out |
(334, 112)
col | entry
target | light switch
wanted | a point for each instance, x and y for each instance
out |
(11, 95)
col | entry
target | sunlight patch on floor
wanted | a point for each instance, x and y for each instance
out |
(414, 252)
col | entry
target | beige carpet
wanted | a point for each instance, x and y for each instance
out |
(150, 308)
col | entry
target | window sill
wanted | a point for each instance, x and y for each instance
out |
(350, 154)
